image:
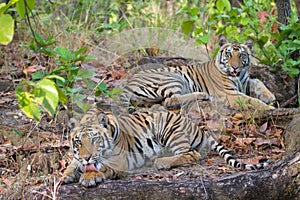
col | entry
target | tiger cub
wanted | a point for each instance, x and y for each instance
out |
(226, 77)
(105, 145)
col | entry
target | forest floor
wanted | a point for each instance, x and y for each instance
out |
(35, 154)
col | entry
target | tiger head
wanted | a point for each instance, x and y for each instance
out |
(91, 139)
(233, 58)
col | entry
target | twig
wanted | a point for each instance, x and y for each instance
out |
(289, 101)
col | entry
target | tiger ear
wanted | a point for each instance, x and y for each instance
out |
(73, 123)
(249, 44)
(103, 119)
(222, 40)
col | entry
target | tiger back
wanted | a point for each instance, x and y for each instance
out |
(105, 145)
(225, 78)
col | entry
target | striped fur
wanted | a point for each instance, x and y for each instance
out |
(105, 145)
(226, 78)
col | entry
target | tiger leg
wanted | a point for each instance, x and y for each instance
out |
(179, 100)
(177, 160)
(73, 172)
(237, 100)
(91, 178)
(260, 91)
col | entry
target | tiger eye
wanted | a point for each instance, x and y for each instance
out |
(228, 54)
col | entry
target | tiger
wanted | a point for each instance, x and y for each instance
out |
(226, 77)
(106, 145)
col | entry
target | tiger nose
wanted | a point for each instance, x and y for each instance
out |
(86, 157)
(234, 66)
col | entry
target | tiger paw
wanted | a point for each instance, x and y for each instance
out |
(69, 179)
(71, 175)
(90, 179)
(201, 96)
(163, 163)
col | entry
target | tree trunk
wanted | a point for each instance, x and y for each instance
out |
(284, 11)
(281, 181)
(236, 3)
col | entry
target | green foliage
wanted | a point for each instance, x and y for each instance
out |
(255, 20)
(49, 88)
(6, 20)
(22, 9)
(32, 96)
(7, 23)
(288, 42)
(6, 29)
(102, 88)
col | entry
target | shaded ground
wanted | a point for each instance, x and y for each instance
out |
(33, 155)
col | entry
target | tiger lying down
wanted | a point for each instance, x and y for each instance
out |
(105, 145)
(225, 78)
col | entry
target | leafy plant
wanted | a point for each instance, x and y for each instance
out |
(33, 97)
(49, 88)
(288, 43)
(102, 88)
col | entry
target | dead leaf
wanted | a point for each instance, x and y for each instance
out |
(278, 150)
(32, 69)
(267, 142)
(7, 182)
(273, 131)
(209, 161)
(214, 125)
(244, 141)
(263, 16)
(254, 160)
(225, 138)
(117, 74)
(278, 132)
(63, 165)
(237, 116)
(5, 76)
(263, 127)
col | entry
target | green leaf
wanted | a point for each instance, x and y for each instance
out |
(102, 86)
(223, 5)
(116, 91)
(53, 76)
(85, 73)
(193, 11)
(17, 133)
(90, 57)
(80, 51)
(38, 75)
(203, 39)
(83, 106)
(6, 28)
(187, 27)
(263, 40)
(40, 39)
(47, 95)
(61, 95)
(26, 101)
(64, 53)
(21, 7)
(244, 21)
(4, 7)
